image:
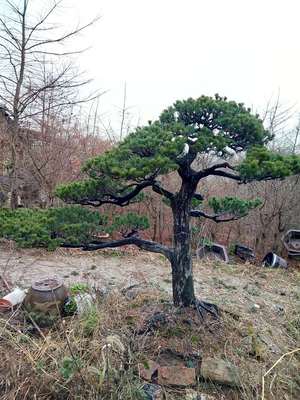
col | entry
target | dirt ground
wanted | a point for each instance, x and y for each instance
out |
(260, 306)
(268, 297)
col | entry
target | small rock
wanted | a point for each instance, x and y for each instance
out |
(153, 392)
(220, 371)
(254, 308)
(269, 342)
(176, 376)
(131, 292)
(103, 292)
(191, 394)
(278, 308)
(147, 369)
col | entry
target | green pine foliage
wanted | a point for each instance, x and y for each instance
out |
(233, 205)
(50, 228)
(28, 228)
(56, 227)
(216, 123)
(260, 163)
(208, 125)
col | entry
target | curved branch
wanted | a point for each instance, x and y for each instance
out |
(215, 170)
(148, 245)
(228, 175)
(157, 188)
(214, 217)
(117, 200)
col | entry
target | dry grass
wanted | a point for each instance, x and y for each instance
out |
(95, 356)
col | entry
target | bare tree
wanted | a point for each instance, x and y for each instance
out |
(37, 75)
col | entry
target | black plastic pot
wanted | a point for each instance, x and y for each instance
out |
(274, 261)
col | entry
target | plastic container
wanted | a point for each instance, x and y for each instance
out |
(16, 296)
(274, 261)
(84, 302)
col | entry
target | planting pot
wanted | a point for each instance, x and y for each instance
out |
(5, 305)
(274, 261)
(46, 296)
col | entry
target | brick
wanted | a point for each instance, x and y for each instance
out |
(176, 376)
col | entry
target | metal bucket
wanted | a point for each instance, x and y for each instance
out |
(274, 261)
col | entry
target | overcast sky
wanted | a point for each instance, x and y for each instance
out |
(165, 50)
(173, 49)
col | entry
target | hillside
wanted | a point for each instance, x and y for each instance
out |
(259, 323)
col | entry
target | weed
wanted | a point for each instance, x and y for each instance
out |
(23, 339)
(69, 366)
(195, 339)
(78, 288)
(256, 347)
(90, 321)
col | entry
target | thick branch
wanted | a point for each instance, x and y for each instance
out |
(133, 240)
(157, 188)
(228, 175)
(215, 170)
(214, 217)
(116, 200)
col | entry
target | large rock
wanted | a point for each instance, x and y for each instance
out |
(219, 371)
(176, 376)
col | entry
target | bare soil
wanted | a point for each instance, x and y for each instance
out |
(236, 287)
(260, 306)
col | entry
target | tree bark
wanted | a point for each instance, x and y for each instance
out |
(181, 261)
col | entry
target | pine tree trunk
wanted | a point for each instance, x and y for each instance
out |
(182, 269)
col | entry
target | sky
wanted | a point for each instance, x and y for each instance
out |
(173, 49)
(247, 50)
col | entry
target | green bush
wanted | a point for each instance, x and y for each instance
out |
(69, 226)
(52, 227)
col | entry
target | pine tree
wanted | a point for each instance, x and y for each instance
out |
(173, 143)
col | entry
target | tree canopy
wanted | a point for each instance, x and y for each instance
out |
(184, 131)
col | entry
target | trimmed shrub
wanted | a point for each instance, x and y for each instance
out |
(50, 228)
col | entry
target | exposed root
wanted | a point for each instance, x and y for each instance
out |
(203, 307)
